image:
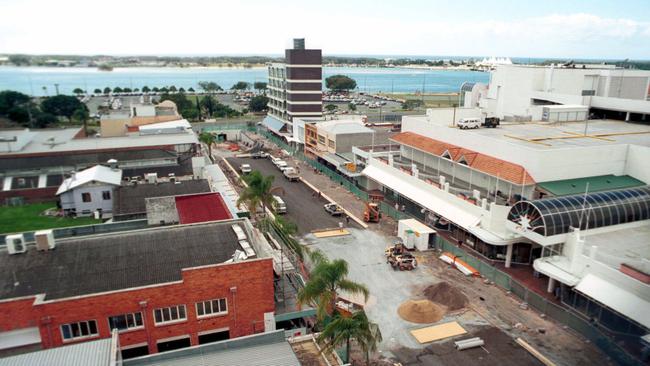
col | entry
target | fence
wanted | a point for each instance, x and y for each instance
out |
(558, 313)
(66, 232)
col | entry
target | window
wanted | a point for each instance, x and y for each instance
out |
(211, 308)
(170, 314)
(330, 143)
(84, 329)
(125, 321)
(106, 195)
(85, 197)
(321, 139)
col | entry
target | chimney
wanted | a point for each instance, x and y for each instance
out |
(298, 43)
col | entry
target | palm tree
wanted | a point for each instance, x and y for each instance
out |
(146, 89)
(259, 191)
(208, 139)
(343, 329)
(326, 280)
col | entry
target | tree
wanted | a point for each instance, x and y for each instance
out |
(259, 191)
(18, 114)
(155, 89)
(97, 91)
(117, 89)
(331, 107)
(145, 89)
(241, 85)
(181, 90)
(164, 89)
(342, 330)
(208, 139)
(190, 89)
(327, 278)
(209, 104)
(136, 90)
(352, 106)
(107, 90)
(61, 105)
(127, 90)
(340, 83)
(259, 85)
(258, 103)
(411, 104)
(78, 91)
(81, 116)
(185, 106)
(10, 99)
(19, 60)
(173, 89)
(44, 119)
(209, 86)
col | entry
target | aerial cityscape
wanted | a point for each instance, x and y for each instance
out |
(324, 183)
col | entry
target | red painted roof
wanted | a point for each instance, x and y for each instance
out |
(505, 170)
(201, 207)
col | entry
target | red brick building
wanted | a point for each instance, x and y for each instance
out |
(162, 288)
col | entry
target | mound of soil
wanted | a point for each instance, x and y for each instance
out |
(420, 311)
(445, 294)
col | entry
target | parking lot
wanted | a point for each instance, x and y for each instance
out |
(303, 207)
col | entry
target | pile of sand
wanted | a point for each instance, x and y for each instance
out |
(420, 311)
(445, 294)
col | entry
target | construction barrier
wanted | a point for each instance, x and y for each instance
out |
(554, 311)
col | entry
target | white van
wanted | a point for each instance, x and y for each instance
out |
(466, 123)
(280, 207)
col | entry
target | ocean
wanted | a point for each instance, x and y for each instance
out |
(41, 81)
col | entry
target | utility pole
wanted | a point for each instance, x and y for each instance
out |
(56, 86)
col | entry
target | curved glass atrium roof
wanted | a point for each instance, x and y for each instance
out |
(553, 216)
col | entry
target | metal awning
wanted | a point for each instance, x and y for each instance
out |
(617, 298)
(273, 124)
(20, 337)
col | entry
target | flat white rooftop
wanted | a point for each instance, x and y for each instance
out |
(548, 136)
(62, 140)
(630, 245)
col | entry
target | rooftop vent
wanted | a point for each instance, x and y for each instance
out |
(112, 163)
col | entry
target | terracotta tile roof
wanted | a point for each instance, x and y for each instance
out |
(201, 207)
(505, 170)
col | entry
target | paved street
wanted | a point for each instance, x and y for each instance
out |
(302, 207)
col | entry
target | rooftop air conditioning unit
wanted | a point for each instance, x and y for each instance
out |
(152, 177)
(15, 243)
(44, 240)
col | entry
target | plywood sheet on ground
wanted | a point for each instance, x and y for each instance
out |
(437, 332)
(331, 233)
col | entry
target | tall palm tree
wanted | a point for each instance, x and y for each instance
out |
(326, 279)
(259, 191)
(343, 329)
(208, 139)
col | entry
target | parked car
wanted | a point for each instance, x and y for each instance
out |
(333, 209)
(245, 168)
(282, 165)
(291, 174)
(279, 206)
(491, 122)
(259, 155)
(469, 123)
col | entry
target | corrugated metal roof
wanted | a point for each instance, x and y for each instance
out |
(265, 349)
(94, 353)
(98, 173)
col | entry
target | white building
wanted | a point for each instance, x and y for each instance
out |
(90, 190)
(521, 93)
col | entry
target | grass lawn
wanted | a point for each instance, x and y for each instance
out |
(27, 218)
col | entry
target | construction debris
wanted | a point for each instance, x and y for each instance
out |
(469, 343)
(534, 352)
(445, 294)
(420, 311)
(437, 332)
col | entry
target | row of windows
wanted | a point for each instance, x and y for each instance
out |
(171, 314)
(86, 196)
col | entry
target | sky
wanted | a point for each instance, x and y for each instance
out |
(598, 29)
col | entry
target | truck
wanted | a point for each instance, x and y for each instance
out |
(333, 209)
(491, 122)
(291, 174)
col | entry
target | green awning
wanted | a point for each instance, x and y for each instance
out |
(596, 184)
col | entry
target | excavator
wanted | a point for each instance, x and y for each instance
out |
(371, 213)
